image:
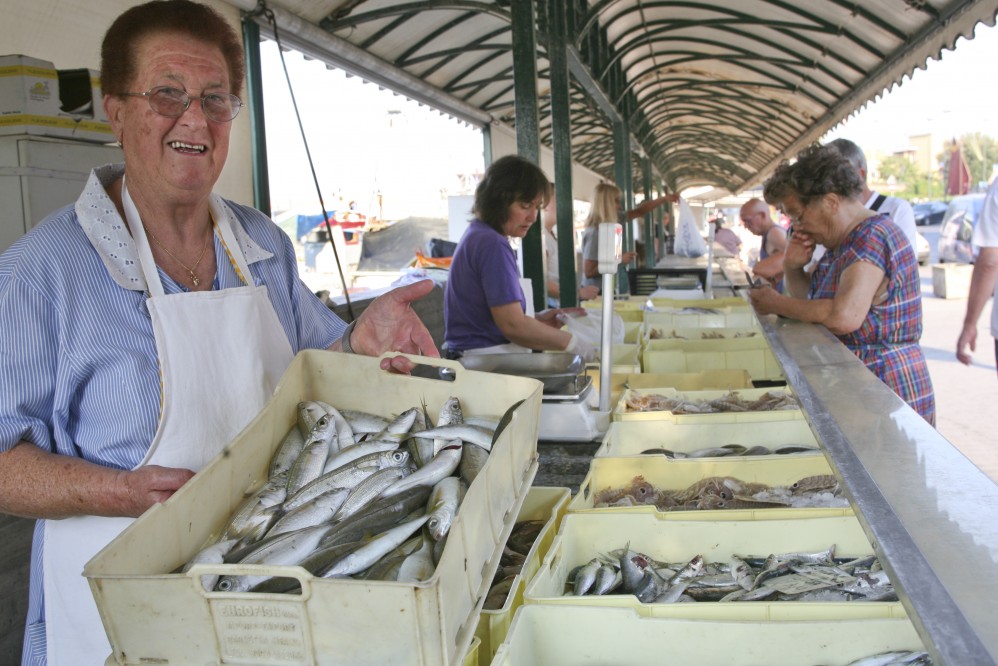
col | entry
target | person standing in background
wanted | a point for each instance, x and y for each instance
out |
(756, 218)
(984, 279)
(898, 210)
(552, 278)
(725, 237)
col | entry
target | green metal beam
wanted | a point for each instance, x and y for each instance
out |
(649, 227)
(622, 173)
(561, 138)
(254, 94)
(527, 142)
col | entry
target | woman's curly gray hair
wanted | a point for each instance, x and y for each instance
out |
(818, 170)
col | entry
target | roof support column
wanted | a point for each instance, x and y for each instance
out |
(650, 228)
(660, 223)
(524, 18)
(254, 94)
(622, 173)
(561, 136)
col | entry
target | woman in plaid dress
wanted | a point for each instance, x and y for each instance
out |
(866, 288)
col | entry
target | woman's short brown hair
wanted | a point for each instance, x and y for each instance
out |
(507, 180)
(819, 170)
(165, 17)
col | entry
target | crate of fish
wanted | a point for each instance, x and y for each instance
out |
(652, 333)
(578, 636)
(712, 489)
(629, 311)
(791, 569)
(722, 313)
(752, 354)
(689, 407)
(536, 525)
(357, 502)
(708, 440)
(681, 381)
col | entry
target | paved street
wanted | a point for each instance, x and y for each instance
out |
(965, 395)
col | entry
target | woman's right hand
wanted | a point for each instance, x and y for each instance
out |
(588, 292)
(800, 249)
(147, 485)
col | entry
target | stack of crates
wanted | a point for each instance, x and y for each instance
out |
(554, 627)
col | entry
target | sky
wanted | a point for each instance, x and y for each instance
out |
(379, 141)
(954, 95)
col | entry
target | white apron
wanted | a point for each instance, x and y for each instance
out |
(221, 354)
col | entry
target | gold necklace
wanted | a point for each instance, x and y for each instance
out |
(190, 269)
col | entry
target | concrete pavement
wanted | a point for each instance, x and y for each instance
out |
(965, 395)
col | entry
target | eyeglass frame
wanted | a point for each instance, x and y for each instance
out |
(239, 104)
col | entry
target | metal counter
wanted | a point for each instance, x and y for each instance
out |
(931, 515)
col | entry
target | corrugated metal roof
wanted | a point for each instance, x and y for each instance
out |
(714, 93)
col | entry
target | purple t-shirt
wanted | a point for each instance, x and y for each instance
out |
(483, 275)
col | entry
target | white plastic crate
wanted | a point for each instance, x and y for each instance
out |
(630, 438)
(153, 616)
(577, 636)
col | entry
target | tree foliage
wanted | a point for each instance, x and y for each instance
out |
(979, 150)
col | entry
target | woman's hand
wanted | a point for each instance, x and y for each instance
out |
(390, 324)
(144, 486)
(967, 341)
(554, 317)
(800, 249)
(628, 257)
(588, 292)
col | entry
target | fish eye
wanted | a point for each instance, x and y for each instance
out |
(224, 585)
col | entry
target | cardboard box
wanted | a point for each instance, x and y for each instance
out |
(154, 616)
(30, 101)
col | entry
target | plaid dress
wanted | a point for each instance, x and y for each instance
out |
(887, 341)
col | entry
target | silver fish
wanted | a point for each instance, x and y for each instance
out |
(463, 431)
(213, 554)
(742, 573)
(347, 476)
(369, 490)
(364, 423)
(672, 594)
(442, 465)
(606, 577)
(400, 426)
(287, 452)
(585, 578)
(418, 566)
(285, 549)
(308, 466)
(351, 453)
(320, 510)
(257, 509)
(309, 412)
(378, 516)
(887, 658)
(344, 433)
(371, 552)
(442, 507)
(473, 459)
(451, 412)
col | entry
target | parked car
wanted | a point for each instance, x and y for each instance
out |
(929, 212)
(922, 249)
(958, 227)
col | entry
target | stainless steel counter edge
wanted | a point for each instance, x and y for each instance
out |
(929, 512)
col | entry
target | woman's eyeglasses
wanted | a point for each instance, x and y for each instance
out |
(173, 103)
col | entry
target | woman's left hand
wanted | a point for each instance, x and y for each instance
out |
(764, 299)
(389, 324)
(553, 316)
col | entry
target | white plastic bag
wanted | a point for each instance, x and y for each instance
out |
(689, 242)
(589, 327)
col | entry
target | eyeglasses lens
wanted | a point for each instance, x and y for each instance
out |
(172, 103)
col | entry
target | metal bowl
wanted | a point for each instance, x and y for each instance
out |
(557, 371)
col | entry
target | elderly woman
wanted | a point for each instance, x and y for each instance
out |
(865, 289)
(147, 325)
(606, 207)
(484, 305)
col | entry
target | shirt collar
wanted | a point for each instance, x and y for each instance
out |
(109, 235)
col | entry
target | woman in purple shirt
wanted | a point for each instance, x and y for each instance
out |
(484, 305)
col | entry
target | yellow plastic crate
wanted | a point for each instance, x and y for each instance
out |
(630, 438)
(666, 474)
(625, 360)
(577, 636)
(681, 381)
(582, 536)
(153, 616)
(621, 413)
(750, 354)
(541, 503)
(678, 315)
(648, 333)
(632, 332)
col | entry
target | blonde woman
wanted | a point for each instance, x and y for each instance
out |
(606, 208)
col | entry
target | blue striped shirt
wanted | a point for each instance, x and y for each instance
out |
(79, 374)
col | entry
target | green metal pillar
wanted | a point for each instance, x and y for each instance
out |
(561, 136)
(649, 222)
(524, 19)
(487, 145)
(254, 94)
(622, 173)
(659, 223)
